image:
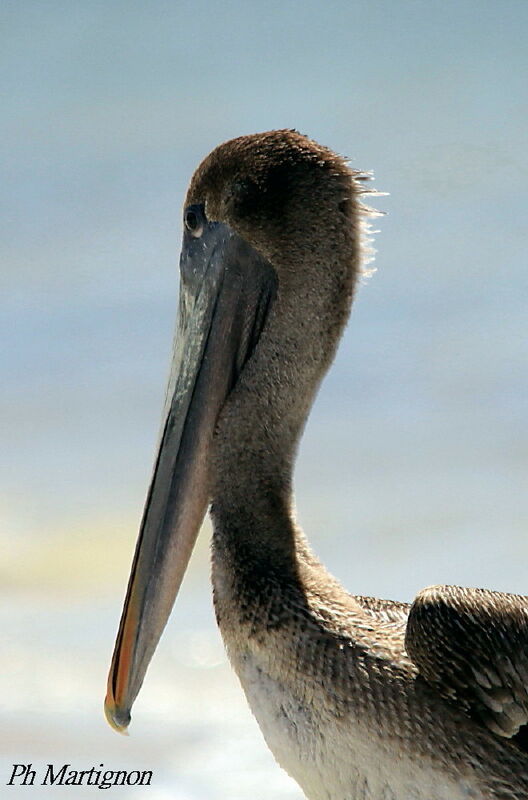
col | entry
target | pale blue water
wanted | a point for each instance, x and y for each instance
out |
(191, 727)
(413, 467)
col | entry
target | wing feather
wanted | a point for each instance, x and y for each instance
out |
(472, 646)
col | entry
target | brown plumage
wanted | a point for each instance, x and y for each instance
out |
(472, 646)
(358, 698)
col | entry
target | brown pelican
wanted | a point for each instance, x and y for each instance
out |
(358, 698)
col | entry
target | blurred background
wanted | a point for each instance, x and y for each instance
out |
(413, 467)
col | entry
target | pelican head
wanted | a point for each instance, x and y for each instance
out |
(270, 255)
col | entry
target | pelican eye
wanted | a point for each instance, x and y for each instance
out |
(194, 220)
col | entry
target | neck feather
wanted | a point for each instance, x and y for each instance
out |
(261, 424)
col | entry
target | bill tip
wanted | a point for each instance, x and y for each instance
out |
(117, 718)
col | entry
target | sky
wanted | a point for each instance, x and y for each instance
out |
(107, 109)
(413, 466)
